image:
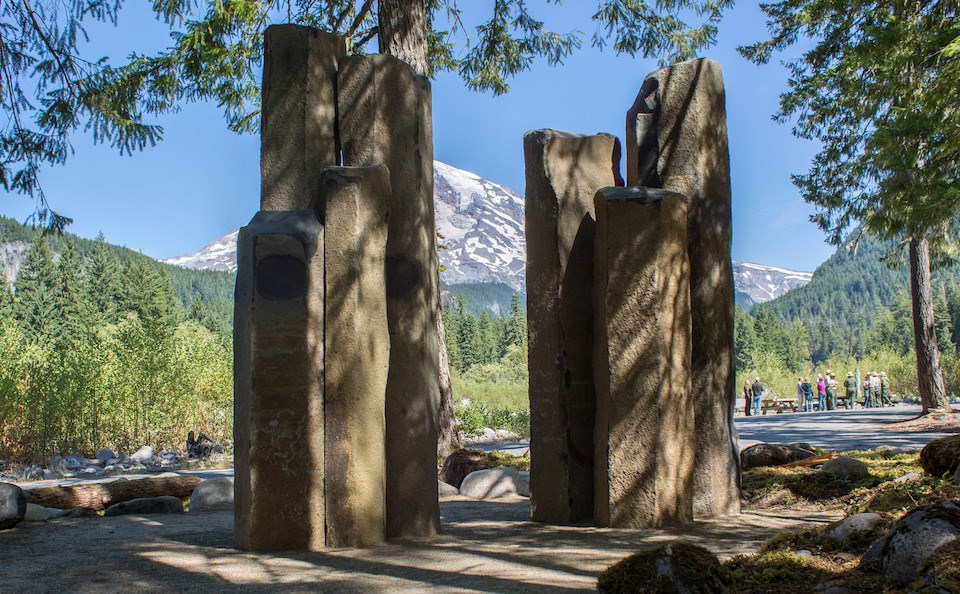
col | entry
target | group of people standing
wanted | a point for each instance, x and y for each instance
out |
(875, 386)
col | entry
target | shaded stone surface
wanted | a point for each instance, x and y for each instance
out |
(563, 173)
(676, 566)
(677, 140)
(165, 504)
(644, 441)
(353, 206)
(278, 383)
(941, 456)
(773, 454)
(384, 115)
(13, 505)
(298, 121)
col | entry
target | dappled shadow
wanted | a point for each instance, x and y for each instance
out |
(483, 548)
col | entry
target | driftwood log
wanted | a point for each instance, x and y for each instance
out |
(807, 462)
(100, 496)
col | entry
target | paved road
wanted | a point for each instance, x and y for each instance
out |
(838, 430)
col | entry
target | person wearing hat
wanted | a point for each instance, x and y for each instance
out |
(850, 384)
(831, 390)
(885, 389)
(747, 398)
(800, 394)
(757, 395)
(875, 389)
(866, 391)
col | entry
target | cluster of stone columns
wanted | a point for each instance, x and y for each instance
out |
(336, 380)
(630, 300)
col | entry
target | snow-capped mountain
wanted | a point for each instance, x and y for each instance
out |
(756, 283)
(481, 224)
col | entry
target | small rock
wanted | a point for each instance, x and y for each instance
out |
(214, 494)
(92, 462)
(166, 504)
(38, 513)
(672, 567)
(916, 537)
(524, 490)
(772, 454)
(910, 476)
(73, 463)
(13, 505)
(804, 553)
(142, 455)
(49, 475)
(492, 483)
(446, 490)
(488, 433)
(124, 459)
(855, 524)
(90, 470)
(844, 468)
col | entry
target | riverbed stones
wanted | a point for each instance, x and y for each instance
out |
(644, 436)
(563, 174)
(384, 117)
(354, 207)
(278, 385)
(298, 121)
(677, 140)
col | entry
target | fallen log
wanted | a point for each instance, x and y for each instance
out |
(100, 496)
(815, 461)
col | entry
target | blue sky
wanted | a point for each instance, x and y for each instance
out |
(202, 181)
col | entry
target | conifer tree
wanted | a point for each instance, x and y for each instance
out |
(36, 290)
(103, 280)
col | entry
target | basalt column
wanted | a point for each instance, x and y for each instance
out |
(353, 205)
(278, 385)
(677, 140)
(644, 436)
(563, 174)
(384, 112)
(298, 122)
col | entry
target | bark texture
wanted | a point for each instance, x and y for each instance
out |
(447, 441)
(100, 496)
(402, 31)
(929, 377)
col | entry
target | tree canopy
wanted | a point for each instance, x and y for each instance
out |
(49, 90)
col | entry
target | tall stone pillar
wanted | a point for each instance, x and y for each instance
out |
(278, 385)
(384, 112)
(353, 206)
(644, 436)
(298, 121)
(677, 140)
(563, 173)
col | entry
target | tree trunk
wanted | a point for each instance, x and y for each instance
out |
(402, 32)
(100, 496)
(929, 377)
(447, 440)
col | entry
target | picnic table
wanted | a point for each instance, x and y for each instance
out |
(779, 405)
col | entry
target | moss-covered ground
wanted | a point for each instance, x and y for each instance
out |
(778, 568)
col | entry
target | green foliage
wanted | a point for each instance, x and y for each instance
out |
(82, 368)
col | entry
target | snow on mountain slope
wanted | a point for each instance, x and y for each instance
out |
(763, 283)
(481, 224)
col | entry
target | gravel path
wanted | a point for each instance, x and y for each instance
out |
(485, 547)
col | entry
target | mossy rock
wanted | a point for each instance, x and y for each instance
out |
(672, 568)
(942, 569)
(941, 456)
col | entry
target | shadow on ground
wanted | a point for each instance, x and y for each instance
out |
(486, 546)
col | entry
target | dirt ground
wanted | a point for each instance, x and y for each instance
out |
(485, 547)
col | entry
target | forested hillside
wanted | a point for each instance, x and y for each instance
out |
(855, 312)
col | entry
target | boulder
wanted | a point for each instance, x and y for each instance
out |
(214, 494)
(772, 454)
(38, 513)
(524, 483)
(492, 483)
(672, 567)
(855, 525)
(461, 463)
(79, 512)
(165, 504)
(916, 538)
(941, 456)
(142, 456)
(910, 476)
(446, 490)
(844, 468)
(13, 505)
